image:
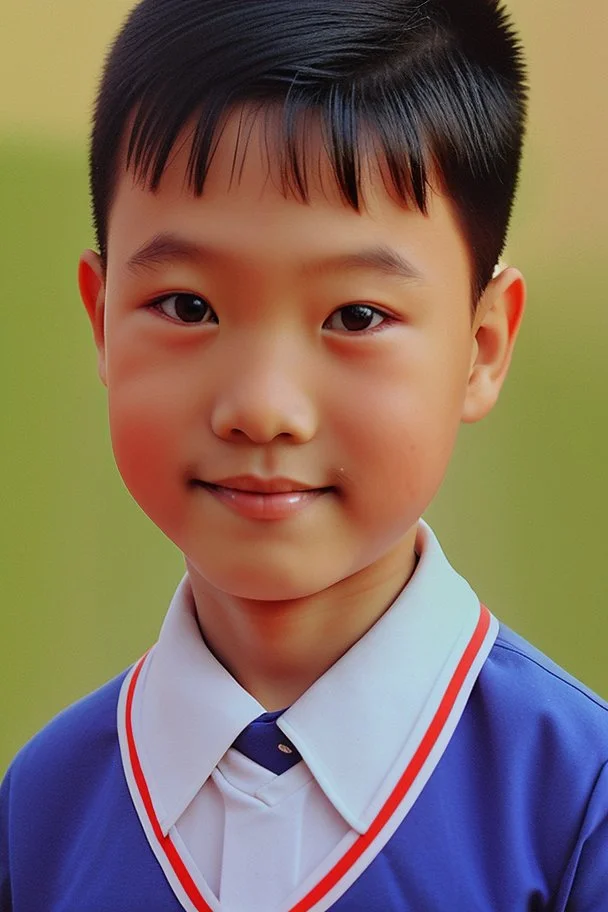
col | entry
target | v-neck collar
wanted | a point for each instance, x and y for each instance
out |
(370, 730)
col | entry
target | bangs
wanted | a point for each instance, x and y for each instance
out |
(353, 135)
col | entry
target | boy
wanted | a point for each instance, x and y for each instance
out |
(295, 304)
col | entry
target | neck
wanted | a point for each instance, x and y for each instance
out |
(277, 650)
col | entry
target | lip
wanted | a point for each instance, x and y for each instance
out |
(271, 499)
(258, 485)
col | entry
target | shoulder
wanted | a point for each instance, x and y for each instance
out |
(526, 664)
(551, 731)
(66, 815)
(78, 739)
(531, 696)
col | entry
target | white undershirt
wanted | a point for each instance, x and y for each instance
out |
(296, 828)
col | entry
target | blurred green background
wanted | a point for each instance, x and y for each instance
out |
(86, 578)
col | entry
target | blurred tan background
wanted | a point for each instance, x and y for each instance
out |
(86, 578)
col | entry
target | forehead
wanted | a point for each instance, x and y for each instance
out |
(247, 209)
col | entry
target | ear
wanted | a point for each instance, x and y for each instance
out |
(495, 327)
(92, 284)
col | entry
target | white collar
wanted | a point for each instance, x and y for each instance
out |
(357, 727)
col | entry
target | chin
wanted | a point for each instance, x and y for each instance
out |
(261, 584)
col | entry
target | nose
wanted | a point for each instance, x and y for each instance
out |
(262, 395)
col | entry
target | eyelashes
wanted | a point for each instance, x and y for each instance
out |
(357, 318)
(184, 307)
(190, 309)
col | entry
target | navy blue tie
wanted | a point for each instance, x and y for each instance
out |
(264, 743)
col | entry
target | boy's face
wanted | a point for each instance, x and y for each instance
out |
(288, 345)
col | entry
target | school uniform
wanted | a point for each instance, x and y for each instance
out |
(441, 764)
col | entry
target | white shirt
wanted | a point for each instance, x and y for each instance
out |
(251, 840)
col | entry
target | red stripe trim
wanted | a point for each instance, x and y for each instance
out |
(183, 875)
(341, 868)
(353, 854)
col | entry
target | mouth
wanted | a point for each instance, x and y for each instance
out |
(253, 484)
(263, 499)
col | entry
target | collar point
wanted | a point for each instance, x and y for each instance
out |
(166, 824)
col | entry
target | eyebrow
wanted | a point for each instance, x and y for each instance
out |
(167, 248)
(164, 249)
(380, 258)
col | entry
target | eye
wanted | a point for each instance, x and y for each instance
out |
(355, 318)
(185, 308)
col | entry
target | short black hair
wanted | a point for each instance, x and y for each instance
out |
(439, 86)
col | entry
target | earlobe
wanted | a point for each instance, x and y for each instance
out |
(91, 281)
(496, 325)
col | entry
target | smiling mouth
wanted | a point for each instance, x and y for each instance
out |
(254, 484)
(260, 491)
(249, 501)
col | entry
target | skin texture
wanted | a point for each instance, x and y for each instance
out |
(273, 383)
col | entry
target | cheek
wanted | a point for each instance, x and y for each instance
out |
(410, 421)
(147, 425)
(409, 449)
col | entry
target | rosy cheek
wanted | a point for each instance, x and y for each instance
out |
(141, 441)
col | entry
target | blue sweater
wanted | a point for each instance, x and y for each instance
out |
(513, 819)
